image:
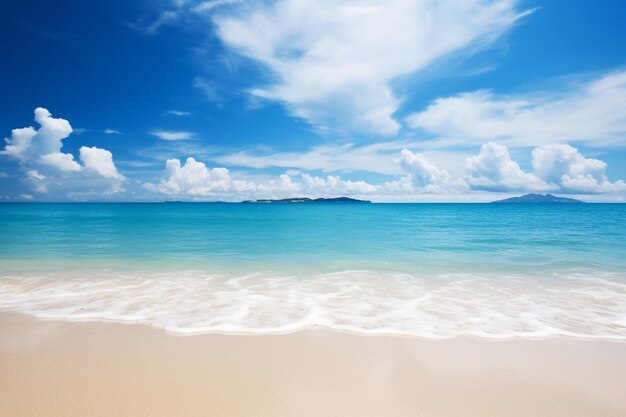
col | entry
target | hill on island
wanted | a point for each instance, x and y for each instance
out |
(538, 199)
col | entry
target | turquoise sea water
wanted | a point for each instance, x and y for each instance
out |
(432, 270)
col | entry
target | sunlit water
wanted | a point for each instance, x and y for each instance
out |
(429, 270)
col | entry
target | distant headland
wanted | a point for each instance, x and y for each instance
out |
(307, 200)
(538, 199)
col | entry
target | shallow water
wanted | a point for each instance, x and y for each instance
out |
(429, 270)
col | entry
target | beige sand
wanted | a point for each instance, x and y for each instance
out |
(91, 369)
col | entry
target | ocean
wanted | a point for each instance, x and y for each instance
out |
(425, 270)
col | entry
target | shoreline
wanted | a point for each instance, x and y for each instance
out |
(491, 306)
(56, 367)
(321, 328)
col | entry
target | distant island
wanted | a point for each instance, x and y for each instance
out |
(538, 199)
(308, 200)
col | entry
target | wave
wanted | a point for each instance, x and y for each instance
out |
(578, 303)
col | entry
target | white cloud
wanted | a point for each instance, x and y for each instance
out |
(288, 185)
(592, 112)
(172, 135)
(60, 161)
(210, 5)
(556, 168)
(167, 17)
(33, 174)
(44, 144)
(37, 179)
(178, 113)
(39, 154)
(379, 158)
(333, 184)
(100, 161)
(19, 143)
(494, 170)
(565, 166)
(208, 88)
(178, 13)
(193, 178)
(424, 175)
(112, 132)
(334, 61)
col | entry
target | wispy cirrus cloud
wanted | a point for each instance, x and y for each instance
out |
(591, 112)
(377, 158)
(176, 12)
(334, 61)
(178, 113)
(207, 87)
(151, 27)
(172, 134)
(210, 5)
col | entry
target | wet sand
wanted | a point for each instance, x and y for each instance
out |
(97, 369)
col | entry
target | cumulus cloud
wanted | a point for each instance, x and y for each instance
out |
(424, 175)
(40, 150)
(172, 135)
(100, 161)
(44, 144)
(494, 170)
(195, 179)
(33, 174)
(565, 166)
(19, 142)
(556, 167)
(334, 61)
(287, 184)
(591, 112)
(165, 18)
(333, 184)
(37, 179)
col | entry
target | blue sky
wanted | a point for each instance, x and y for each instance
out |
(391, 101)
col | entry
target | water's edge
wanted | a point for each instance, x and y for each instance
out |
(577, 303)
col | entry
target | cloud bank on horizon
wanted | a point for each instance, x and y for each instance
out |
(351, 76)
(556, 168)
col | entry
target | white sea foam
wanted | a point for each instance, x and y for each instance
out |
(588, 304)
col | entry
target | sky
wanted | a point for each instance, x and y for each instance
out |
(391, 101)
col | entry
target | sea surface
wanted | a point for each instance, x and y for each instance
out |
(426, 270)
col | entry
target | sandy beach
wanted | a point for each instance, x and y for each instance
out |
(96, 368)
